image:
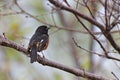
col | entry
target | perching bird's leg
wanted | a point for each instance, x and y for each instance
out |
(43, 58)
(43, 55)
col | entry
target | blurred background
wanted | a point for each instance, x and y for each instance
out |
(19, 23)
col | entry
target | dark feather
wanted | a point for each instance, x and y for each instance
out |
(38, 42)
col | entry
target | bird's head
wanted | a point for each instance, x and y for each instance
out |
(42, 29)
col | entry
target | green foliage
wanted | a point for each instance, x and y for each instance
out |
(58, 76)
(14, 31)
(3, 75)
(13, 55)
(38, 6)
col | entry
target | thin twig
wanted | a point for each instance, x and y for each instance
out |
(85, 2)
(106, 16)
(92, 35)
(115, 76)
(107, 57)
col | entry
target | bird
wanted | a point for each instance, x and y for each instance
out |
(38, 42)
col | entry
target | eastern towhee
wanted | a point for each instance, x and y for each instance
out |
(38, 42)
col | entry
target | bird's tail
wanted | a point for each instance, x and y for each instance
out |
(33, 55)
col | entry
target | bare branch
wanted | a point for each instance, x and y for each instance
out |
(106, 32)
(104, 56)
(92, 34)
(74, 11)
(114, 75)
(106, 17)
(85, 2)
(8, 43)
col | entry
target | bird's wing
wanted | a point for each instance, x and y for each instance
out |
(42, 42)
(31, 43)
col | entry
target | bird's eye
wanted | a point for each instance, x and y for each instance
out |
(47, 28)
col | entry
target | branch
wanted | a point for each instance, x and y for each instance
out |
(92, 35)
(106, 33)
(74, 11)
(86, 5)
(115, 76)
(101, 55)
(59, 27)
(8, 43)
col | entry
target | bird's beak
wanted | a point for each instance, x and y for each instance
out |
(48, 28)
